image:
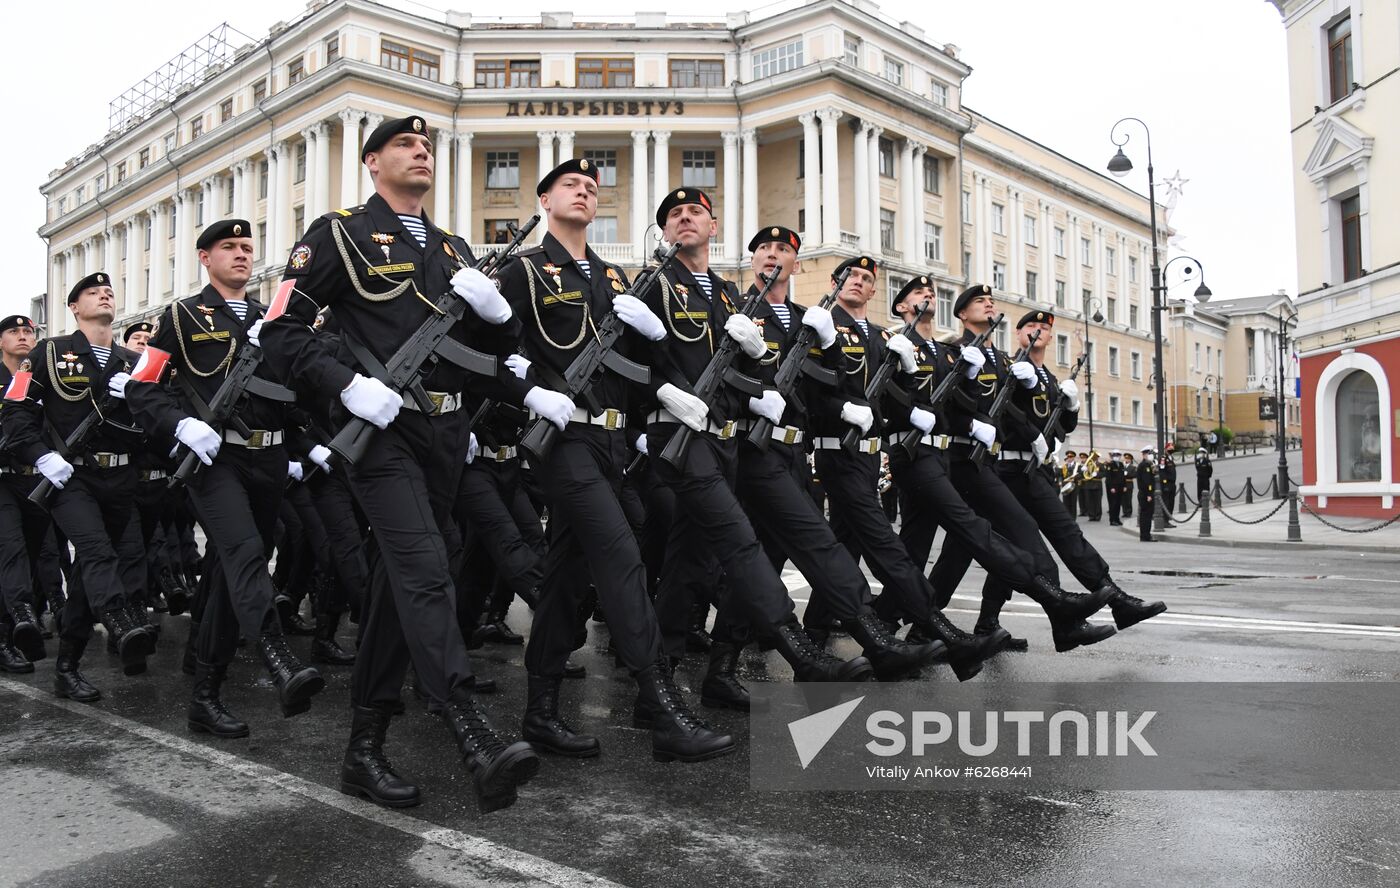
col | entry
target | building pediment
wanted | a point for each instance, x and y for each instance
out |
(1339, 145)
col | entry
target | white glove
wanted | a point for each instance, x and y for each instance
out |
(819, 319)
(984, 432)
(1040, 448)
(199, 437)
(746, 333)
(635, 314)
(550, 405)
(683, 406)
(473, 448)
(974, 359)
(294, 470)
(923, 420)
(116, 386)
(770, 406)
(1070, 390)
(642, 444)
(321, 456)
(518, 365)
(371, 400)
(253, 331)
(481, 294)
(1025, 372)
(54, 467)
(901, 346)
(860, 417)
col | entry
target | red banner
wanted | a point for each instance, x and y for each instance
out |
(151, 365)
(18, 389)
(280, 301)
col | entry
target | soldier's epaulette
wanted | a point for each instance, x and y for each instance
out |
(351, 211)
(529, 251)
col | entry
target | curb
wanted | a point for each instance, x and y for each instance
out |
(1276, 545)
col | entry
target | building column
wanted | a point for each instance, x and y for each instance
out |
(442, 176)
(366, 182)
(218, 197)
(1256, 367)
(184, 243)
(546, 163)
(198, 275)
(1075, 296)
(322, 206)
(660, 168)
(111, 263)
(750, 138)
(831, 178)
(733, 238)
(861, 180)
(566, 144)
(916, 190)
(160, 260)
(639, 193)
(1101, 273)
(236, 183)
(906, 199)
(1047, 254)
(811, 178)
(1015, 271)
(350, 158)
(462, 218)
(309, 198)
(132, 287)
(873, 149)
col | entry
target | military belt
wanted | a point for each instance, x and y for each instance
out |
(994, 450)
(443, 402)
(781, 434)
(1022, 455)
(937, 442)
(102, 460)
(498, 454)
(723, 431)
(20, 470)
(153, 474)
(865, 445)
(258, 439)
(611, 418)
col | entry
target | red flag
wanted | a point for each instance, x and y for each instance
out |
(280, 301)
(18, 389)
(151, 365)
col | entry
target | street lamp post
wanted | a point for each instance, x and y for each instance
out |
(1219, 381)
(1281, 488)
(1091, 306)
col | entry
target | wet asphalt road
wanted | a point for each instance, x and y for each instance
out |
(120, 794)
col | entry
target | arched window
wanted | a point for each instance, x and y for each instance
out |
(1358, 428)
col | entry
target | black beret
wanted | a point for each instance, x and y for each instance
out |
(915, 283)
(1036, 316)
(864, 262)
(683, 196)
(390, 128)
(572, 165)
(14, 321)
(968, 295)
(96, 279)
(138, 327)
(776, 234)
(223, 230)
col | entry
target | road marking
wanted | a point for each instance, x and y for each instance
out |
(479, 849)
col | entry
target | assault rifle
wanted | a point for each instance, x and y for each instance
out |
(1053, 422)
(1002, 400)
(911, 438)
(884, 374)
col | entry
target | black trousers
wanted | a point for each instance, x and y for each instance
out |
(1092, 501)
(710, 525)
(773, 490)
(305, 532)
(590, 538)
(1071, 502)
(237, 500)
(1145, 510)
(23, 527)
(1115, 505)
(155, 513)
(93, 510)
(345, 539)
(502, 540)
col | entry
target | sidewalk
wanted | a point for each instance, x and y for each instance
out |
(1272, 532)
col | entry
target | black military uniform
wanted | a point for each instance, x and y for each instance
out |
(1204, 471)
(1115, 485)
(23, 528)
(383, 282)
(1167, 476)
(1129, 477)
(1147, 488)
(1091, 487)
(60, 383)
(1070, 478)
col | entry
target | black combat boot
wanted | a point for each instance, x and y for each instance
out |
(207, 713)
(134, 643)
(697, 640)
(891, 657)
(289, 613)
(966, 652)
(324, 647)
(502, 633)
(296, 682)
(68, 682)
(177, 597)
(11, 660)
(191, 658)
(496, 767)
(677, 734)
(809, 663)
(1070, 634)
(366, 771)
(722, 689)
(1058, 603)
(1127, 609)
(140, 616)
(27, 636)
(989, 622)
(543, 727)
(573, 669)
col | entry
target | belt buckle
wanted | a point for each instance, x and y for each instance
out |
(104, 460)
(612, 418)
(502, 454)
(726, 431)
(255, 439)
(995, 449)
(789, 435)
(870, 446)
(438, 399)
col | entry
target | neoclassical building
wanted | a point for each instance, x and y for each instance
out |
(830, 118)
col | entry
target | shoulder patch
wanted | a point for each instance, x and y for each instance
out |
(349, 211)
(529, 251)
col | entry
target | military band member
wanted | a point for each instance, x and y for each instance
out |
(1091, 486)
(61, 381)
(1070, 476)
(382, 266)
(1147, 490)
(23, 525)
(1115, 485)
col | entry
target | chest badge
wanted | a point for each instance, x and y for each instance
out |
(617, 286)
(683, 290)
(208, 315)
(555, 272)
(381, 238)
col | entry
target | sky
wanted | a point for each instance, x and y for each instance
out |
(1208, 77)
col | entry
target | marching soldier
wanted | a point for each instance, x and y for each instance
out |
(1115, 484)
(1146, 489)
(64, 379)
(23, 525)
(381, 266)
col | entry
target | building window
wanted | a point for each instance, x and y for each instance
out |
(939, 94)
(777, 59)
(1133, 316)
(409, 60)
(698, 169)
(998, 276)
(1028, 230)
(1196, 361)
(851, 51)
(497, 231)
(967, 206)
(228, 196)
(262, 180)
(296, 71)
(1111, 309)
(1002, 336)
(262, 241)
(894, 71)
(1358, 428)
(332, 48)
(886, 229)
(121, 171)
(507, 73)
(697, 72)
(802, 222)
(998, 219)
(1059, 294)
(143, 160)
(1137, 412)
(1351, 237)
(1060, 242)
(299, 220)
(1198, 403)
(199, 208)
(1132, 269)
(196, 128)
(226, 110)
(602, 230)
(932, 175)
(605, 162)
(170, 222)
(503, 169)
(933, 242)
(945, 308)
(887, 158)
(1114, 413)
(149, 227)
(1113, 360)
(1135, 364)
(1086, 255)
(1339, 72)
(1109, 265)
(259, 91)
(169, 144)
(893, 284)
(1032, 284)
(1062, 349)
(605, 73)
(299, 165)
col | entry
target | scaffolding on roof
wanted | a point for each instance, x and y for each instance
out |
(205, 57)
